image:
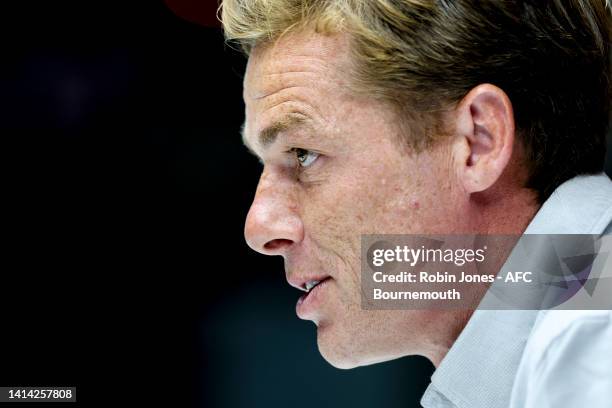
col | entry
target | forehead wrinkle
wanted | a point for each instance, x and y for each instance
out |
(259, 97)
(273, 71)
(291, 100)
(288, 72)
(294, 100)
(294, 64)
(277, 82)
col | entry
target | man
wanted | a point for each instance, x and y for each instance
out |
(431, 117)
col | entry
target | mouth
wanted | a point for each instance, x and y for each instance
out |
(307, 303)
(310, 287)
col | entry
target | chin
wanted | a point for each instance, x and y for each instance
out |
(336, 360)
(334, 348)
(338, 350)
(345, 361)
(346, 350)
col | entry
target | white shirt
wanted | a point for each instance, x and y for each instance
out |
(530, 358)
(567, 362)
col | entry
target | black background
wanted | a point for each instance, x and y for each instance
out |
(125, 188)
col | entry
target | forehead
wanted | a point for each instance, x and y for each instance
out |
(296, 57)
(303, 75)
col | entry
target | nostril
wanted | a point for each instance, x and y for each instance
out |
(277, 244)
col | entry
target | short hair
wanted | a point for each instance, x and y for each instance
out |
(551, 57)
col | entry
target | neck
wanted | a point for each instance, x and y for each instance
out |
(496, 212)
(453, 322)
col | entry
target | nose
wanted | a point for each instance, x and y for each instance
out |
(273, 224)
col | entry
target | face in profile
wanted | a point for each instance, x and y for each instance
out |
(335, 167)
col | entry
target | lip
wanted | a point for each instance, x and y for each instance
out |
(309, 302)
(299, 282)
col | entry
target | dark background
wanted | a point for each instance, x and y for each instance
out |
(125, 188)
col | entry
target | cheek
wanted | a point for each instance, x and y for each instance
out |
(355, 201)
(339, 212)
(380, 203)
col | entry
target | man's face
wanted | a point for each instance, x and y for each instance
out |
(335, 168)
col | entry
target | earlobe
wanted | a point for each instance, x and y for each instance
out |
(485, 125)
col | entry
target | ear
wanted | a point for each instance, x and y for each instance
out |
(484, 137)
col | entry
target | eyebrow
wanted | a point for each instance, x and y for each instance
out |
(268, 135)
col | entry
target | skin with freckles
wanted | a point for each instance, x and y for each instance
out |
(335, 167)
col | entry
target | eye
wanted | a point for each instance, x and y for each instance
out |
(304, 157)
